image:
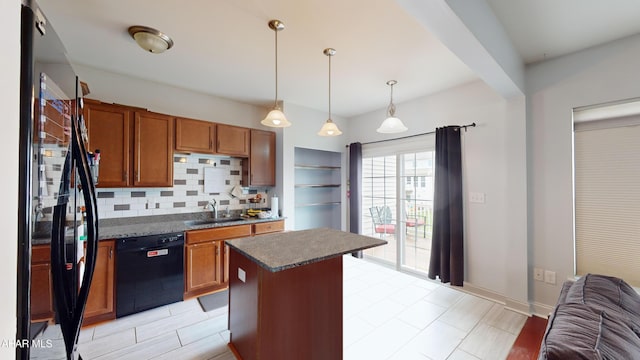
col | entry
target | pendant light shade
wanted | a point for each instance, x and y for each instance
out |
(275, 117)
(391, 124)
(329, 128)
(150, 39)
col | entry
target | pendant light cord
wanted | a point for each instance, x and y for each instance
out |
(275, 105)
(391, 109)
(330, 88)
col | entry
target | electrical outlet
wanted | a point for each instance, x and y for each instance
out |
(538, 274)
(550, 277)
(476, 197)
(242, 275)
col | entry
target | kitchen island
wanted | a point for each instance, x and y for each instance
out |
(285, 293)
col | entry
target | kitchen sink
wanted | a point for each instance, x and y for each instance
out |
(212, 221)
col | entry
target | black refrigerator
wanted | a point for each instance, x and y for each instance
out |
(57, 199)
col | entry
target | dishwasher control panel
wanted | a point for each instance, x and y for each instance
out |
(151, 241)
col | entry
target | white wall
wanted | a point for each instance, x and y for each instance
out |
(603, 74)
(110, 87)
(493, 155)
(303, 133)
(9, 102)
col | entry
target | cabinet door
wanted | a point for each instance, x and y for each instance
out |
(41, 284)
(204, 265)
(153, 149)
(195, 135)
(262, 161)
(100, 304)
(225, 265)
(109, 129)
(232, 140)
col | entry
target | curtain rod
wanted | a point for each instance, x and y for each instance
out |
(410, 136)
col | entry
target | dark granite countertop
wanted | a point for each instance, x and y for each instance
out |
(281, 251)
(152, 225)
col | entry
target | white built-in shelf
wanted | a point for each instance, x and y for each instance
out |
(316, 167)
(318, 188)
(332, 203)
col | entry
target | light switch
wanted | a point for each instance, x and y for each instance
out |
(242, 276)
(550, 277)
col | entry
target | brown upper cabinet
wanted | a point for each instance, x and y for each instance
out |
(195, 136)
(262, 161)
(232, 140)
(153, 152)
(136, 146)
(109, 127)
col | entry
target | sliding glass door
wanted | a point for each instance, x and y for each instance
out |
(416, 177)
(397, 200)
(379, 204)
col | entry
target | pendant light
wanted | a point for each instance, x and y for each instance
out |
(391, 124)
(329, 128)
(275, 117)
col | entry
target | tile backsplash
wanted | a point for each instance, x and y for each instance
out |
(187, 194)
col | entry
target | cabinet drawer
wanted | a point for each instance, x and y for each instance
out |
(40, 254)
(268, 227)
(222, 233)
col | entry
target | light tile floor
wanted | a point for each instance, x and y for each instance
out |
(387, 315)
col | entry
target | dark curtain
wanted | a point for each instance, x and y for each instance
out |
(447, 253)
(355, 189)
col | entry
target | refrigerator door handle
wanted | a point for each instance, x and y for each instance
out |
(71, 303)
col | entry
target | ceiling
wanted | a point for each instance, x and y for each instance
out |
(225, 48)
(545, 29)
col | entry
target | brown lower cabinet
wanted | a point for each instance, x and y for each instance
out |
(207, 257)
(101, 302)
(204, 264)
(41, 284)
(268, 227)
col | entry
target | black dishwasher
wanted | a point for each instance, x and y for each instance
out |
(149, 272)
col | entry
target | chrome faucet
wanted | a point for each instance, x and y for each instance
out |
(214, 207)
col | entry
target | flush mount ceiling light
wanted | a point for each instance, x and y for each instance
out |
(391, 124)
(275, 117)
(329, 128)
(150, 39)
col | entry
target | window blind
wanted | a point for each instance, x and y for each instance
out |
(607, 199)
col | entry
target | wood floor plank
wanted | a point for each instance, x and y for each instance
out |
(527, 344)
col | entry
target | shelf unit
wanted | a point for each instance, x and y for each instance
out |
(317, 189)
(331, 203)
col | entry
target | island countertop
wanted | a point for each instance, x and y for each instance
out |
(281, 251)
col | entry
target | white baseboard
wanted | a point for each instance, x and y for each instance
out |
(482, 292)
(542, 310)
(511, 304)
(518, 306)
